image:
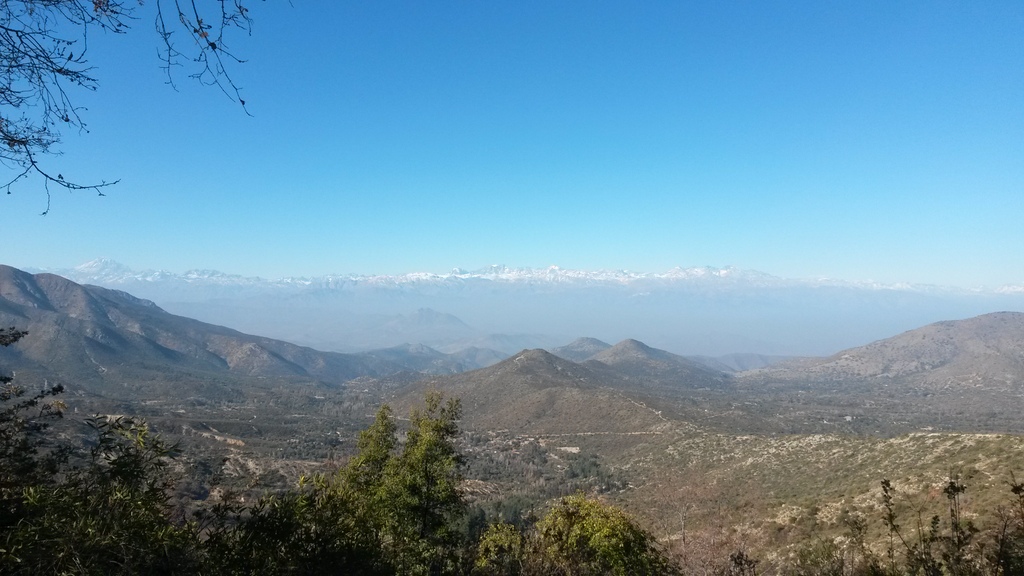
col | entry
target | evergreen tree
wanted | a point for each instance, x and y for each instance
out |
(421, 489)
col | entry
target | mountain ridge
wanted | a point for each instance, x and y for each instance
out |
(107, 271)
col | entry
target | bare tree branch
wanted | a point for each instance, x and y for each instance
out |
(44, 61)
(208, 39)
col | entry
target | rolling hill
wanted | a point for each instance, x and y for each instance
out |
(652, 368)
(982, 352)
(536, 392)
(965, 375)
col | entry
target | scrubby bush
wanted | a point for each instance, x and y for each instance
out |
(579, 536)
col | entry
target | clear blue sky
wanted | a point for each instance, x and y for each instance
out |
(855, 140)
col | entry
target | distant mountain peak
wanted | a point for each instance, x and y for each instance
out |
(534, 361)
(632, 343)
(639, 361)
(581, 349)
(103, 268)
(633, 347)
(534, 355)
(587, 341)
(101, 264)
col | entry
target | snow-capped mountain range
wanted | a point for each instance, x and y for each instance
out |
(701, 310)
(107, 272)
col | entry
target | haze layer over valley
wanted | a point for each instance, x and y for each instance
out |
(693, 311)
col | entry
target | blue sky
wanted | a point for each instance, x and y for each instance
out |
(854, 140)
